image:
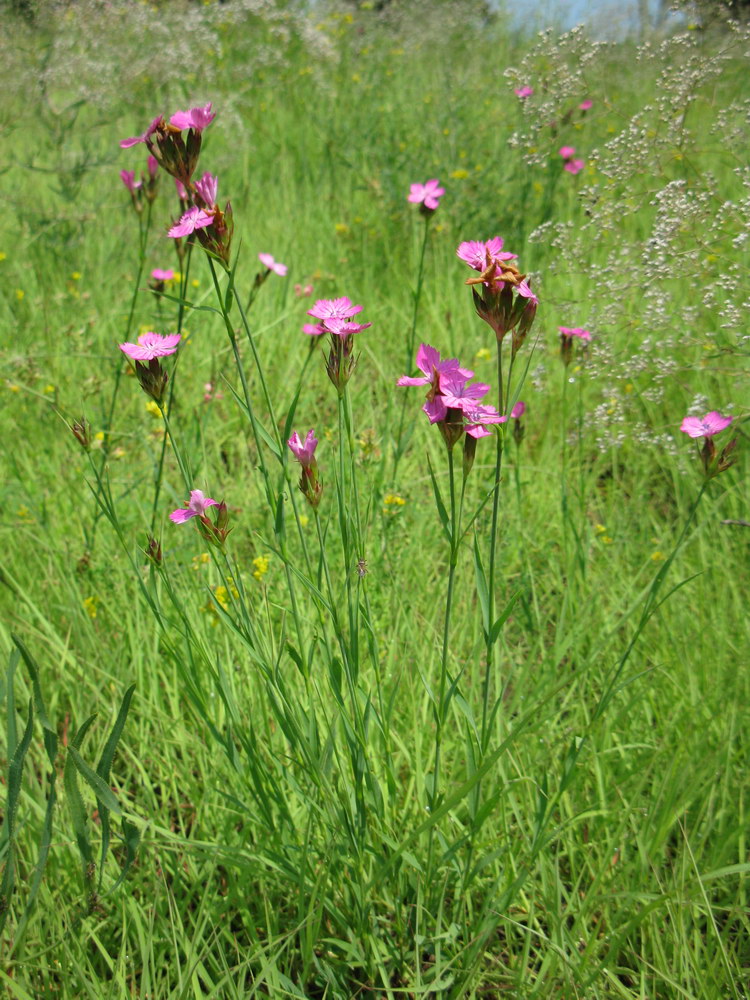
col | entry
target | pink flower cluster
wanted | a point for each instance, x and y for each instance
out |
(524, 92)
(309, 483)
(714, 462)
(450, 390)
(505, 300)
(572, 164)
(213, 531)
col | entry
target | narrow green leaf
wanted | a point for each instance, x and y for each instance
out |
(504, 616)
(99, 787)
(484, 600)
(15, 774)
(442, 512)
(103, 770)
(12, 731)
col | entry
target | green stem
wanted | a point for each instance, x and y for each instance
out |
(410, 344)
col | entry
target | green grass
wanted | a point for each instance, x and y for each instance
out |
(283, 852)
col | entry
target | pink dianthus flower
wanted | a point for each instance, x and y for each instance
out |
(128, 179)
(134, 140)
(523, 92)
(151, 345)
(207, 188)
(194, 218)
(304, 453)
(162, 274)
(196, 118)
(586, 105)
(567, 152)
(335, 317)
(427, 194)
(273, 265)
(712, 423)
(574, 166)
(196, 506)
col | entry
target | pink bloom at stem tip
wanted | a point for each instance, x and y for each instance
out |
(574, 331)
(151, 345)
(273, 265)
(712, 423)
(428, 361)
(194, 218)
(567, 152)
(128, 179)
(334, 316)
(304, 453)
(196, 506)
(574, 166)
(427, 194)
(518, 411)
(162, 274)
(523, 92)
(479, 255)
(208, 189)
(196, 118)
(134, 140)
(586, 105)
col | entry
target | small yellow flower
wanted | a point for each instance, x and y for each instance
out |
(459, 175)
(200, 560)
(341, 228)
(119, 453)
(356, 78)
(483, 355)
(304, 520)
(446, 131)
(195, 283)
(153, 408)
(261, 567)
(600, 529)
(2, 255)
(24, 514)
(89, 606)
(49, 389)
(629, 387)
(13, 387)
(20, 293)
(392, 503)
(76, 276)
(658, 556)
(478, 168)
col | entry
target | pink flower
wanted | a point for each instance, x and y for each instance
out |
(153, 166)
(567, 332)
(428, 361)
(524, 290)
(128, 179)
(151, 345)
(335, 316)
(567, 152)
(156, 123)
(181, 189)
(478, 419)
(194, 218)
(303, 291)
(304, 453)
(159, 274)
(458, 394)
(523, 92)
(518, 411)
(480, 255)
(196, 506)
(574, 166)
(586, 105)
(208, 189)
(712, 423)
(196, 118)
(427, 194)
(341, 308)
(273, 265)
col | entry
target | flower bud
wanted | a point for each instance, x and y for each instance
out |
(152, 378)
(153, 551)
(82, 432)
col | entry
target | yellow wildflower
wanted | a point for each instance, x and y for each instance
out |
(76, 276)
(89, 606)
(483, 355)
(261, 567)
(459, 175)
(20, 294)
(153, 408)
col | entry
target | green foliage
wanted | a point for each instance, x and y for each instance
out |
(582, 831)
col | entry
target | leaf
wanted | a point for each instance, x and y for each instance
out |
(132, 837)
(103, 770)
(442, 512)
(484, 600)
(504, 616)
(15, 773)
(102, 790)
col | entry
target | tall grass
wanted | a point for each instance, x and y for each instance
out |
(357, 759)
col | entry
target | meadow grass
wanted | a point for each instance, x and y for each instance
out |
(282, 831)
